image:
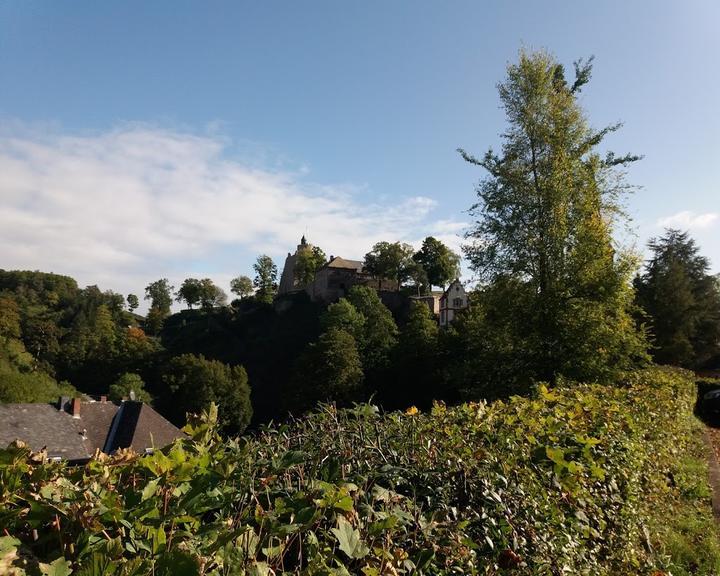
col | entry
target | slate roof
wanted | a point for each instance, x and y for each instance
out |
(102, 426)
(338, 262)
(141, 427)
(43, 425)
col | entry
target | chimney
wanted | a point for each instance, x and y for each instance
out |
(63, 402)
(76, 407)
(103, 399)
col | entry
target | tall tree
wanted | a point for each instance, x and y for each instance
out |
(265, 280)
(160, 295)
(440, 263)
(682, 301)
(242, 286)
(391, 260)
(379, 330)
(190, 292)
(545, 216)
(308, 263)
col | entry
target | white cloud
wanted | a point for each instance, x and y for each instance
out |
(127, 206)
(687, 220)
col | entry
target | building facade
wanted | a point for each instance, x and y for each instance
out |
(453, 300)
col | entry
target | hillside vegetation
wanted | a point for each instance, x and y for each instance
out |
(579, 479)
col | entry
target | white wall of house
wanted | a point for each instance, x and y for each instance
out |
(452, 301)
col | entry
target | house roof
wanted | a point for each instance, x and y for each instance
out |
(43, 426)
(141, 427)
(337, 262)
(447, 292)
(101, 426)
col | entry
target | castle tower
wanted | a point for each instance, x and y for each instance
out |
(288, 281)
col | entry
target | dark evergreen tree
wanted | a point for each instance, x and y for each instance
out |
(682, 301)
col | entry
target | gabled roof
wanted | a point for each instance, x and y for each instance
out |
(103, 426)
(140, 427)
(44, 426)
(337, 262)
(447, 291)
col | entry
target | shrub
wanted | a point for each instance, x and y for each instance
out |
(567, 481)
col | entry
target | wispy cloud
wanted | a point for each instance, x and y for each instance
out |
(687, 220)
(124, 207)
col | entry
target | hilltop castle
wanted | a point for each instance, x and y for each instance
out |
(332, 281)
(335, 278)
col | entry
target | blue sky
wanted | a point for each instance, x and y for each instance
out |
(170, 138)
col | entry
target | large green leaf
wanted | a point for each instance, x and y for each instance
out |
(349, 539)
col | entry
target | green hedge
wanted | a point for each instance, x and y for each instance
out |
(581, 479)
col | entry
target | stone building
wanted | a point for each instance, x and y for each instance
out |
(332, 281)
(289, 282)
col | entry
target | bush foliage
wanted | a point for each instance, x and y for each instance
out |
(567, 481)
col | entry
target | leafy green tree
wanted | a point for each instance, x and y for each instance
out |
(342, 315)
(379, 331)
(211, 295)
(103, 334)
(545, 216)
(133, 302)
(194, 382)
(440, 263)
(329, 370)
(190, 292)
(682, 301)
(391, 260)
(242, 286)
(129, 385)
(418, 278)
(308, 263)
(265, 280)
(160, 295)
(154, 321)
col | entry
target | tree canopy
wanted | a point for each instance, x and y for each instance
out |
(440, 263)
(129, 386)
(265, 280)
(194, 382)
(242, 286)
(545, 216)
(391, 260)
(308, 262)
(682, 301)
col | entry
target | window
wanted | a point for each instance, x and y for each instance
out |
(457, 302)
